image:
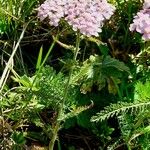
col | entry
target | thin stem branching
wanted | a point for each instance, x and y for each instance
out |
(61, 108)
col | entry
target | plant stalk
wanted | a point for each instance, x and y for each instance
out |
(60, 111)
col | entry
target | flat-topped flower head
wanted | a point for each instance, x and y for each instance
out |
(141, 22)
(146, 4)
(53, 10)
(86, 16)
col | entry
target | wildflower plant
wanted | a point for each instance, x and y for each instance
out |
(85, 17)
(141, 22)
(89, 78)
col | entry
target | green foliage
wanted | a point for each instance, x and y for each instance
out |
(74, 111)
(99, 70)
(133, 117)
(51, 87)
(103, 131)
(142, 91)
(120, 108)
(95, 101)
(14, 13)
(30, 103)
(141, 102)
(18, 138)
(39, 60)
(43, 91)
(135, 129)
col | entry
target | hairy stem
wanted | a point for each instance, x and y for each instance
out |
(61, 109)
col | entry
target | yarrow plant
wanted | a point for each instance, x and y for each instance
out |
(86, 16)
(141, 22)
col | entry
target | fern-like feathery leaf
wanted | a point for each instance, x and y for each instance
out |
(119, 108)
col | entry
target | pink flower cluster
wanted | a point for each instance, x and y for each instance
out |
(87, 16)
(141, 22)
(53, 10)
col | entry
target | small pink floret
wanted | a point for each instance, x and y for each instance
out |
(87, 16)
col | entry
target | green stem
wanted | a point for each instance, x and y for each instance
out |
(47, 55)
(60, 111)
(128, 146)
